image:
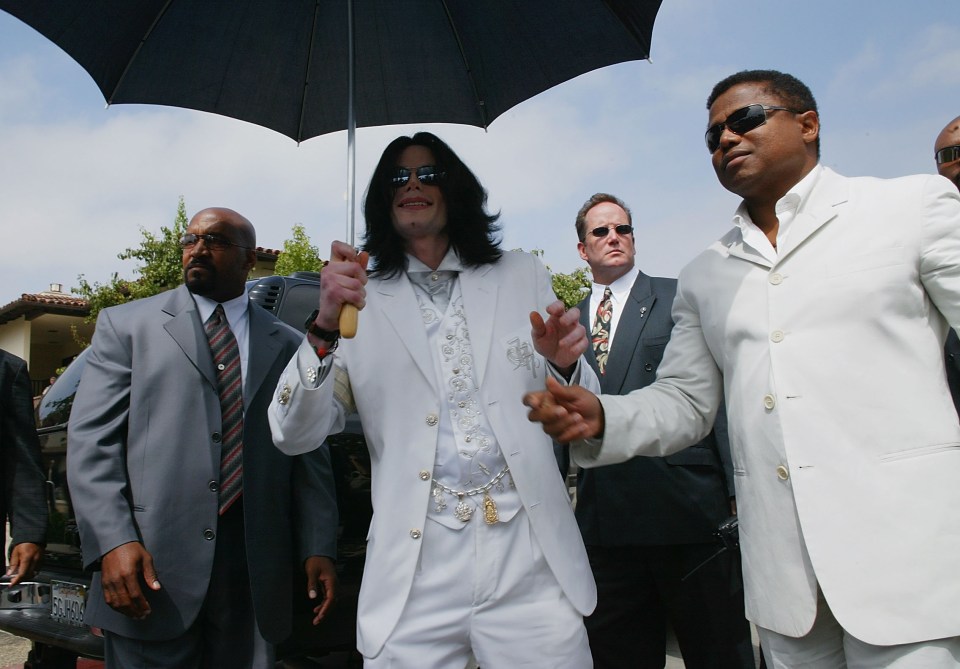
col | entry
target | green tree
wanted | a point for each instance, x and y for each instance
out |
(570, 288)
(160, 268)
(298, 254)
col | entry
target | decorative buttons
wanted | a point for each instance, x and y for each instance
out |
(776, 278)
(312, 376)
(769, 402)
(284, 395)
(214, 486)
(776, 336)
(432, 419)
(424, 475)
(209, 535)
(216, 437)
(415, 534)
(782, 473)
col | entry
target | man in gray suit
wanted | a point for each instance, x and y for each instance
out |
(21, 470)
(193, 522)
(648, 522)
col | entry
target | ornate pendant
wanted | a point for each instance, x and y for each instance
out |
(463, 511)
(490, 515)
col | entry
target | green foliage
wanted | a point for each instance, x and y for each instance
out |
(568, 287)
(298, 254)
(160, 268)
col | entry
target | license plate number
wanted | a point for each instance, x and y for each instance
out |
(67, 602)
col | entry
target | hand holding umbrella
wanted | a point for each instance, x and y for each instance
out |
(342, 291)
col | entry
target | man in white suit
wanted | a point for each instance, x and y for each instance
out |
(821, 315)
(473, 544)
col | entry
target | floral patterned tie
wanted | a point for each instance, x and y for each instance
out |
(600, 334)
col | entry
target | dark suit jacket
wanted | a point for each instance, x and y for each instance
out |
(22, 501)
(144, 458)
(952, 358)
(679, 499)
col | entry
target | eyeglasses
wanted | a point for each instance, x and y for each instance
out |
(741, 122)
(213, 242)
(426, 174)
(948, 154)
(622, 230)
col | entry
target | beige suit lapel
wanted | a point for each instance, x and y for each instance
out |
(400, 309)
(480, 304)
(824, 203)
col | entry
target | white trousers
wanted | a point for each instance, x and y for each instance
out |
(485, 589)
(829, 646)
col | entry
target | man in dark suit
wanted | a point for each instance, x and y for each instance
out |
(649, 522)
(191, 518)
(22, 501)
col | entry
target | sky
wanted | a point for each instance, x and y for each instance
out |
(78, 181)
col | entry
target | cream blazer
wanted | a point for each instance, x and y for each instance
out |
(387, 372)
(845, 442)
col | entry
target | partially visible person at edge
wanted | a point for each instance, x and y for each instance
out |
(649, 523)
(22, 500)
(821, 318)
(946, 153)
(473, 544)
(194, 524)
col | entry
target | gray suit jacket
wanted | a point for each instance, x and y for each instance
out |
(143, 461)
(21, 469)
(679, 499)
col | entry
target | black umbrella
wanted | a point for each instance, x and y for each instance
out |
(287, 65)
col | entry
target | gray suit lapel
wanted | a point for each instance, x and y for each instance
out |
(185, 328)
(263, 350)
(402, 311)
(629, 327)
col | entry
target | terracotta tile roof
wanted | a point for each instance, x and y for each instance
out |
(44, 303)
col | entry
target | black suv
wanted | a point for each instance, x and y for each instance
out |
(49, 610)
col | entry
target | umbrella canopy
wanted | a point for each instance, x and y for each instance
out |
(283, 64)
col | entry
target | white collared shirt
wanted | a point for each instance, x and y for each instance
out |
(786, 208)
(619, 293)
(238, 318)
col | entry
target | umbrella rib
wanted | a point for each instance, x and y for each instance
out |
(481, 105)
(132, 58)
(306, 78)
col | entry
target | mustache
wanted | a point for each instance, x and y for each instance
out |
(197, 262)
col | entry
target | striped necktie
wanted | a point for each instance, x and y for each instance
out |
(600, 334)
(226, 359)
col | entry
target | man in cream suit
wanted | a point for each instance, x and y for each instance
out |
(472, 545)
(190, 570)
(821, 315)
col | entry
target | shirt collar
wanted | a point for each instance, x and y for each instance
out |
(620, 288)
(235, 309)
(793, 200)
(450, 263)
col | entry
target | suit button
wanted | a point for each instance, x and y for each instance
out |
(214, 486)
(776, 336)
(415, 534)
(424, 475)
(209, 535)
(432, 419)
(776, 278)
(216, 437)
(769, 402)
(648, 367)
(782, 473)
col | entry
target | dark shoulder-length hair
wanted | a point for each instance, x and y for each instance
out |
(473, 232)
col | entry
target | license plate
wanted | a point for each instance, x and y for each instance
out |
(67, 602)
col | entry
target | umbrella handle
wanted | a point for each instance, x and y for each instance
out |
(348, 321)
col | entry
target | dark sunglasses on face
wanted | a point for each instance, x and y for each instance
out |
(426, 174)
(740, 122)
(212, 242)
(622, 230)
(948, 154)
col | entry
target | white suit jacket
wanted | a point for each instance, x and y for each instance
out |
(389, 369)
(845, 442)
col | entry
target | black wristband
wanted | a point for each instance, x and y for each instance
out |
(326, 335)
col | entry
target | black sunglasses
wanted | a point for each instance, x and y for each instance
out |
(622, 230)
(428, 175)
(948, 154)
(212, 242)
(740, 122)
